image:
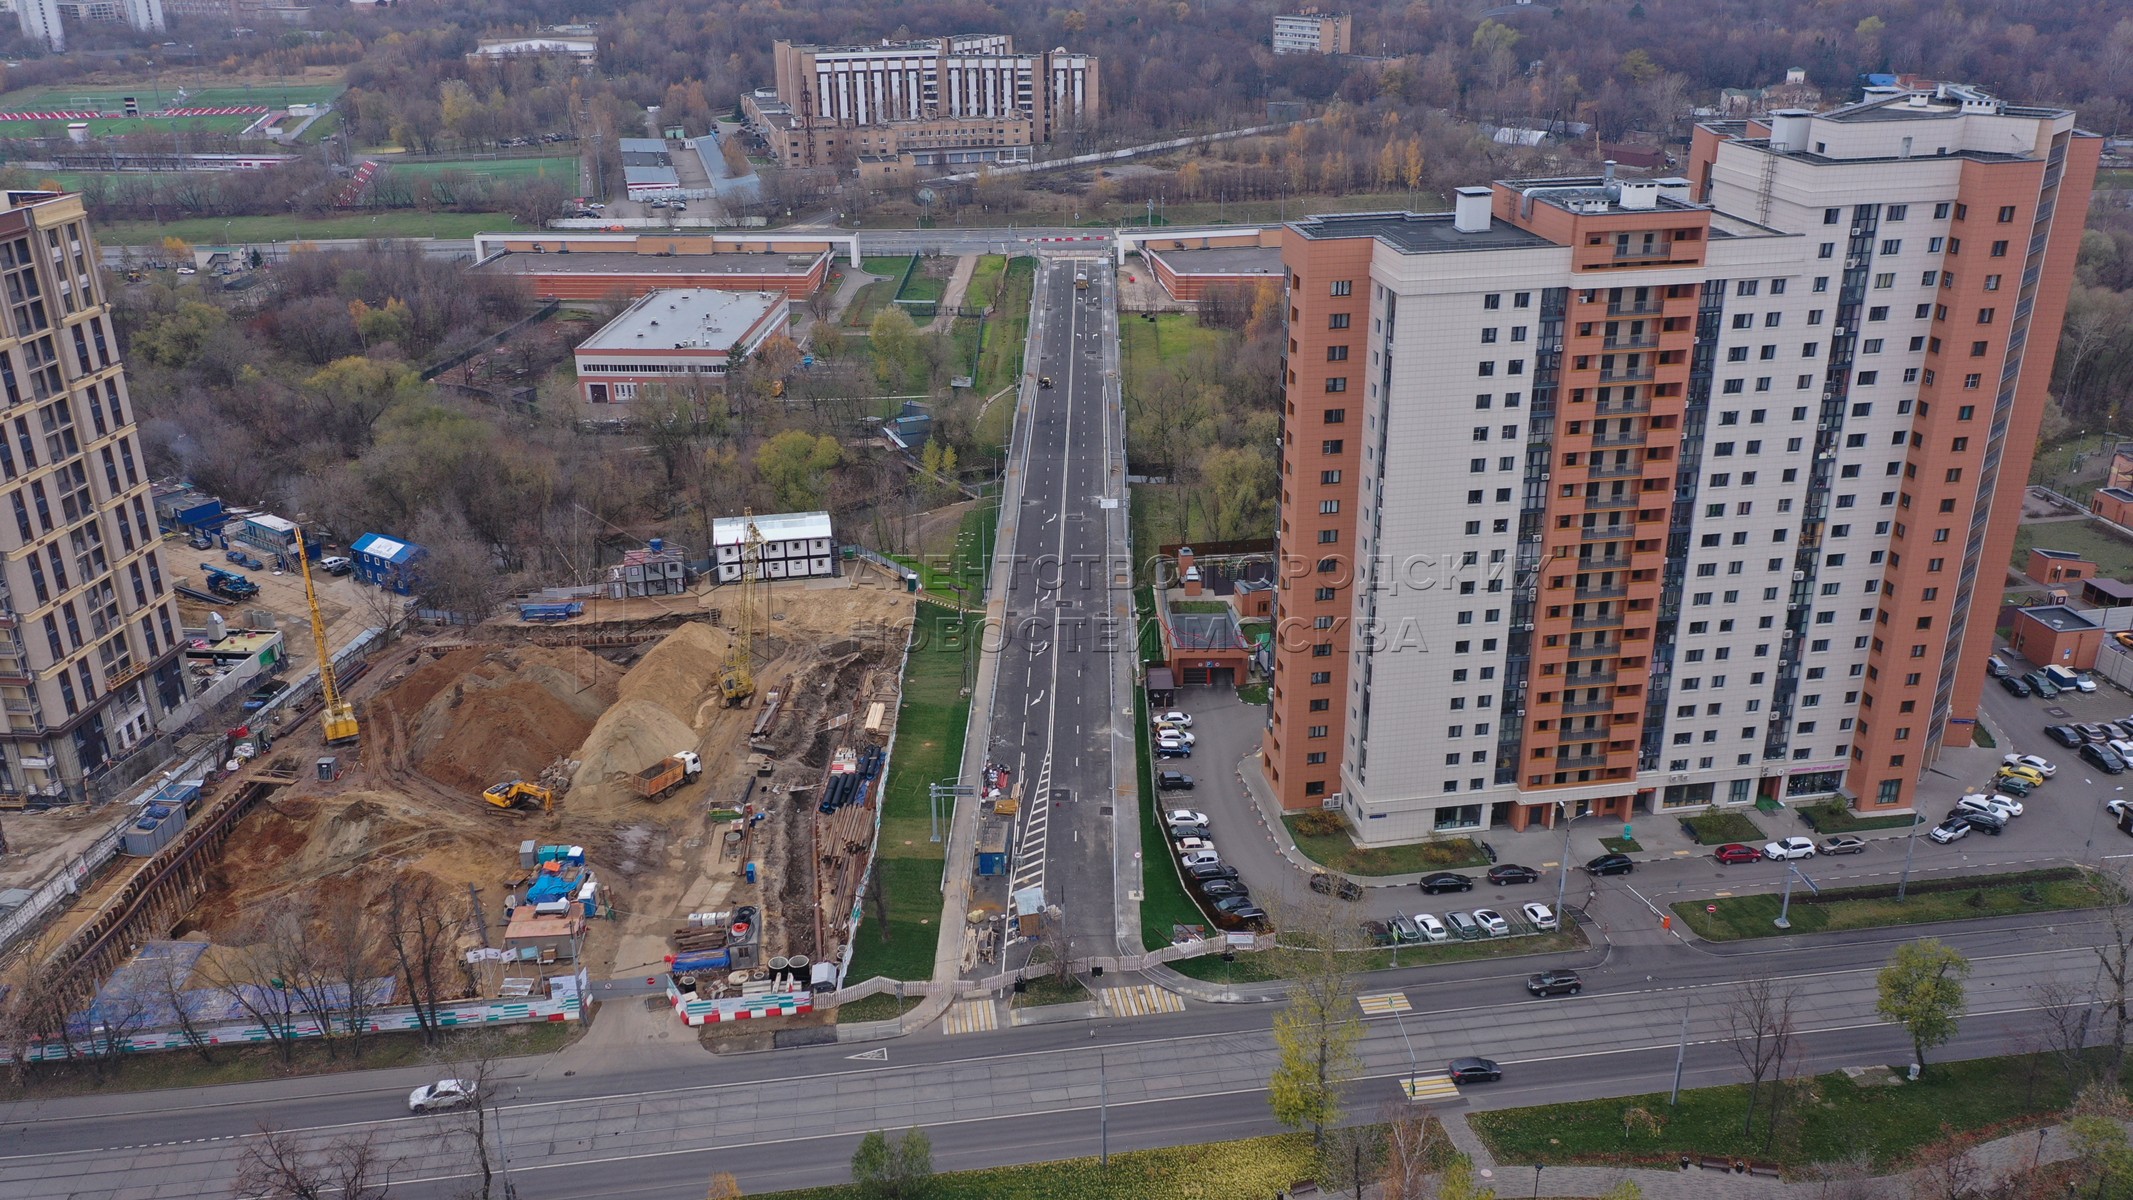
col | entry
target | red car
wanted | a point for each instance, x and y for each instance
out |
(1735, 852)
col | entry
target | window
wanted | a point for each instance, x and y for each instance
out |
(1337, 321)
(1896, 212)
(1488, 336)
(1327, 508)
(1870, 346)
(1329, 477)
(1344, 287)
(1327, 537)
(1521, 299)
(1736, 354)
(1992, 283)
(1336, 354)
(1885, 279)
(1977, 349)
(1337, 383)
(1940, 211)
(1999, 249)
(1771, 320)
(1747, 287)
(1933, 245)
(1867, 378)
(1483, 400)
(1336, 416)
(1487, 368)
(2007, 214)
(1492, 300)
(1879, 312)
(1984, 316)
(1743, 320)
(1830, 216)
(1892, 245)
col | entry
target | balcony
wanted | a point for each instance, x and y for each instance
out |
(1621, 408)
(1628, 374)
(1589, 706)
(1592, 677)
(1603, 503)
(1607, 533)
(1611, 620)
(1648, 308)
(1603, 562)
(1613, 470)
(1600, 593)
(1644, 253)
(1642, 342)
(1609, 441)
(1606, 651)
(1580, 762)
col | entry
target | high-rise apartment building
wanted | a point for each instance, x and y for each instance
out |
(965, 94)
(1312, 32)
(39, 20)
(90, 640)
(1644, 495)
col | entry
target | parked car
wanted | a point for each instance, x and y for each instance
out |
(1404, 929)
(1445, 881)
(334, 564)
(1555, 983)
(1789, 848)
(1210, 871)
(2016, 685)
(1492, 922)
(445, 1093)
(1735, 852)
(1239, 911)
(2118, 808)
(1182, 720)
(1173, 781)
(1473, 1070)
(2002, 808)
(2033, 778)
(2084, 682)
(1185, 816)
(1463, 926)
(1508, 873)
(1186, 845)
(2092, 732)
(1326, 883)
(1198, 858)
(2040, 685)
(1172, 748)
(1983, 821)
(1610, 864)
(1432, 929)
(1220, 889)
(2012, 785)
(1174, 734)
(1842, 843)
(1953, 828)
(2103, 760)
(2065, 735)
(1179, 831)
(1539, 915)
(2042, 766)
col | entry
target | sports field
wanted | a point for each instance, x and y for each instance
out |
(113, 126)
(165, 93)
(565, 169)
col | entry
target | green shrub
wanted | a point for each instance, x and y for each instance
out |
(1321, 824)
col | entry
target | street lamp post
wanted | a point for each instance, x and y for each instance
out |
(1910, 848)
(1562, 870)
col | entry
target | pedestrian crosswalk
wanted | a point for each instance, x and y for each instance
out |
(1430, 1087)
(1384, 1004)
(971, 1016)
(1140, 1000)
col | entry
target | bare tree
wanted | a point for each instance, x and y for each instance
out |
(2064, 1014)
(351, 955)
(113, 1020)
(1761, 1025)
(2114, 960)
(168, 976)
(276, 1166)
(1947, 1173)
(420, 934)
(248, 975)
(478, 1125)
(1415, 1142)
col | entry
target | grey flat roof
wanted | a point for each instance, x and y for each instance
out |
(1222, 260)
(634, 176)
(523, 262)
(641, 145)
(1419, 233)
(672, 318)
(2116, 493)
(2113, 588)
(1206, 631)
(2066, 554)
(2060, 618)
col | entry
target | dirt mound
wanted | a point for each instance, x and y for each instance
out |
(477, 716)
(632, 736)
(677, 672)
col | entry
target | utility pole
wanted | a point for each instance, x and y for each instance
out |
(1785, 906)
(1910, 848)
(1681, 1053)
(1103, 1111)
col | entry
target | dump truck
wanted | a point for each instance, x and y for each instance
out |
(517, 793)
(660, 779)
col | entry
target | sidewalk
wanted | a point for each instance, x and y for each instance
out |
(2005, 1158)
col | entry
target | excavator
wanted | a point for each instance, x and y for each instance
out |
(736, 681)
(517, 793)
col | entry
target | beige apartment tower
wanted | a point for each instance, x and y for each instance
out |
(1635, 497)
(90, 642)
(1313, 32)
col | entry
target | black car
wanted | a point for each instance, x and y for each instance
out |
(2065, 735)
(1239, 910)
(1512, 873)
(1219, 889)
(2104, 759)
(2016, 685)
(1473, 1070)
(1555, 983)
(1173, 781)
(1328, 884)
(1445, 881)
(1610, 864)
(1207, 872)
(1982, 822)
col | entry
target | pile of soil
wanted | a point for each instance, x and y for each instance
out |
(478, 716)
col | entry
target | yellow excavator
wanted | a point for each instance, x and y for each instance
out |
(517, 793)
(338, 716)
(736, 681)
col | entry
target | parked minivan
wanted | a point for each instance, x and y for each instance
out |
(1997, 667)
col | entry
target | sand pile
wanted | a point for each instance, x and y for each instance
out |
(663, 705)
(478, 716)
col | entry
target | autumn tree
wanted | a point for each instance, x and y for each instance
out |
(796, 464)
(1922, 990)
(1317, 1031)
(351, 395)
(898, 1170)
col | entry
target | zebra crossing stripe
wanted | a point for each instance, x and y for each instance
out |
(1384, 1003)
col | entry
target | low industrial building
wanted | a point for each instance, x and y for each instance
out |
(581, 49)
(795, 545)
(674, 336)
(389, 563)
(591, 265)
(2056, 635)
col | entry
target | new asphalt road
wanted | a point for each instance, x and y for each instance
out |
(790, 1119)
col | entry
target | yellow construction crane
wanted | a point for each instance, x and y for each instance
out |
(737, 681)
(338, 717)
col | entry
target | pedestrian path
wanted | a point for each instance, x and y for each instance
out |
(971, 1016)
(1140, 1000)
(1436, 1087)
(1384, 1004)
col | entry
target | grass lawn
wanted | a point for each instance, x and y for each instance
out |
(1249, 1168)
(883, 1006)
(929, 747)
(985, 277)
(248, 1064)
(1619, 845)
(115, 126)
(1718, 828)
(1143, 344)
(319, 130)
(1834, 817)
(1039, 991)
(1007, 331)
(266, 93)
(1872, 907)
(2092, 540)
(892, 268)
(867, 302)
(1828, 1119)
(1164, 901)
(497, 168)
(1256, 967)
(216, 231)
(924, 288)
(964, 564)
(1339, 851)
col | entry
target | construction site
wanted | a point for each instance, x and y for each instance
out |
(682, 781)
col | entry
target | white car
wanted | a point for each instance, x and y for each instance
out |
(445, 1093)
(1199, 858)
(2084, 682)
(1949, 830)
(1182, 720)
(1174, 733)
(1432, 929)
(2037, 763)
(1999, 806)
(1187, 845)
(2117, 808)
(188, 270)
(1540, 915)
(1186, 816)
(1492, 922)
(1789, 848)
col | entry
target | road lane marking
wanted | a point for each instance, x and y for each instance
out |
(1140, 1000)
(970, 1016)
(1383, 1004)
(1438, 1086)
